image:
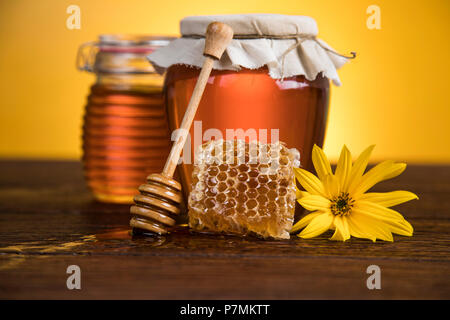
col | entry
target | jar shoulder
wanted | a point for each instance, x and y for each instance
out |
(183, 72)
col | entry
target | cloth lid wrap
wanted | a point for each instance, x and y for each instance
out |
(287, 45)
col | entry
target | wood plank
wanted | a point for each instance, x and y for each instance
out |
(182, 277)
(48, 220)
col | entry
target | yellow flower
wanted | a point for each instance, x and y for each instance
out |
(339, 200)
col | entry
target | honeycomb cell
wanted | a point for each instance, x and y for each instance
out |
(243, 188)
(211, 192)
(281, 201)
(263, 211)
(251, 204)
(252, 183)
(212, 181)
(242, 176)
(229, 211)
(284, 160)
(263, 178)
(272, 195)
(200, 185)
(222, 187)
(284, 182)
(210, 203)
(213, 171)
(231, 182)
(241, 198)
(252, 193)
(262, 189)
(222, 176)
(232, 192)
(263, 165)
(241, 209)
(243, 167)
(272, 206)
(272, 185)
(253, 173)
(262, 199)
(251, 213)
(232, 172)
(230, 203)
(199, 196)
(221, 197)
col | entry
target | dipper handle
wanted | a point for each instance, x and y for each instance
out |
(218, 36)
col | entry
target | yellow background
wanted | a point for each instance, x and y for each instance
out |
(394, 94)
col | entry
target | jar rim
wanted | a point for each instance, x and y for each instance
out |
(134, 40)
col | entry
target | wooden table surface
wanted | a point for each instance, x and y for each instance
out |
(48, 221)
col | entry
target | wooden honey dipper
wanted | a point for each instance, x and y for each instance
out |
(157, 203)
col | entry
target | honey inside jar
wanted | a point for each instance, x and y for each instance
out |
(125, 139)
(251, 100)
(125, 131)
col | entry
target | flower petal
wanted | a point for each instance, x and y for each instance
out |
(317, 226)
(314, 202)
(337, 235)
(309, 181)
(343, 168)
(331, 186)
(372, 228)
(359, 167)
(399, 168)
(376, 211)
(299, 193)
(304, 221)
(390, 219)
(356, 230)
(342, 232)
(388, 199)
(403, 228)
(321, 163)
(382, 171)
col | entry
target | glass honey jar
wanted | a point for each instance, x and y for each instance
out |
(272, 83)
(254, 102)
(125, 132)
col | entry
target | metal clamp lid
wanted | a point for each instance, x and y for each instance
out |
(119, 53)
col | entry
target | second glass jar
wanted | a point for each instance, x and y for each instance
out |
(125, 132)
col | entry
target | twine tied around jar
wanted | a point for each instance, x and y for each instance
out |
(299, 37)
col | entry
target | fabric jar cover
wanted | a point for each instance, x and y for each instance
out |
(287, 45)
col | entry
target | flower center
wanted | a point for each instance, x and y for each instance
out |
(341, 205)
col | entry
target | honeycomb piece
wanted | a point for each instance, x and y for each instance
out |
(243, 188)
